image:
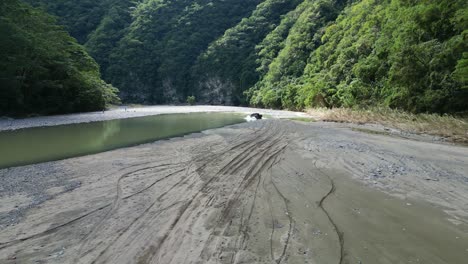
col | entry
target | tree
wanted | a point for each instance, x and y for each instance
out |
(44, 70)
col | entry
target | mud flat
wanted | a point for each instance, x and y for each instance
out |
(272, 191)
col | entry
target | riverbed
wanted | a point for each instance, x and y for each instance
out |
(270, 191)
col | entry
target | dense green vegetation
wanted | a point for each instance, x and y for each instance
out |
(281, 68)
(400, 53)
(147, 48)
(42, 69)
(406, 54)
(153, 61)
(80, 17)
(227, 67)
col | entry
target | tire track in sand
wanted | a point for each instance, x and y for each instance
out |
(337, 230)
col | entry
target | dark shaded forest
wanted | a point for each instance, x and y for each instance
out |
(42, 69)
(294, 54)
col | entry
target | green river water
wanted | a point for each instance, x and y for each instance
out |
(34, 145)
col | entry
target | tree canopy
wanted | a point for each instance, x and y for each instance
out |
(407, 54)
(43, 70)
(397, 53)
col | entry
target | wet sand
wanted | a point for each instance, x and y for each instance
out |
(272, 191)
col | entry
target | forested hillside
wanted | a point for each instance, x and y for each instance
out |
(147, 48)
(42, 69)
(408, 54)
(400, 53)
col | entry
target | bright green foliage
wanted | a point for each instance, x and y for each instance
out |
(99, 25)
(407, 54)
(461, 71)
(277, 87)
(402, 54)
(43, 70)
(275, 41)
(232, 58)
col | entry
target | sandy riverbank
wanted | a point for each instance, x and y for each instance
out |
(272, 191)
(129, 112)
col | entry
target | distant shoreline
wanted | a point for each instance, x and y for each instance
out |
(122, 112)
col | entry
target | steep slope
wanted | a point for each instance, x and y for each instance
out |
(279, 53)
(80, 17)
(402, 54)
(148, 47)
(281, 68)
(98, 25)
(43, 70)
(227, 68)
(152, 62)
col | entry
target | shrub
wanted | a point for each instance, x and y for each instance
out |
(191, 100)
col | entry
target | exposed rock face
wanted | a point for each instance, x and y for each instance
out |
(214, 90)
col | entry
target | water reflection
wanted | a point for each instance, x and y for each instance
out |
(34, 145)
